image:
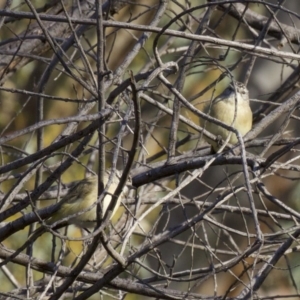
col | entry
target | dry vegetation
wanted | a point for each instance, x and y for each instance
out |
(122, 85)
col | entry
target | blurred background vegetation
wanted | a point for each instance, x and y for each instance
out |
(48, 71)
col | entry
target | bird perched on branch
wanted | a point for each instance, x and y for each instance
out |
(79, 207)
(232, 107)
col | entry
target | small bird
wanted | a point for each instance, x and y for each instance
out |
(82, 196)
(232, 107)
